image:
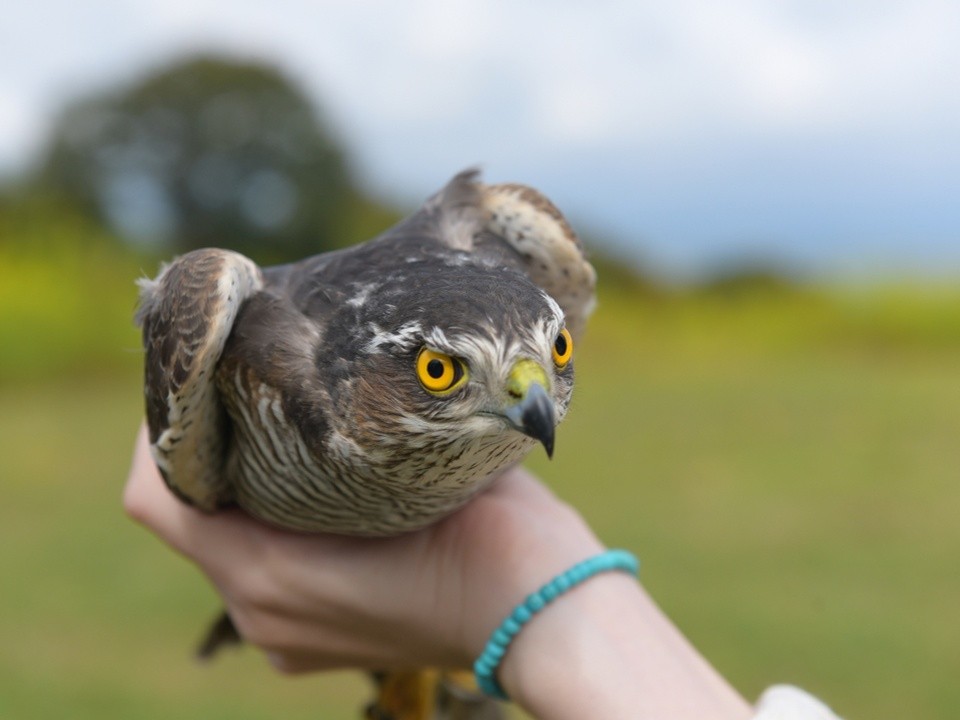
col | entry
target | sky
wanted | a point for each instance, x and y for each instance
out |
(819, 136)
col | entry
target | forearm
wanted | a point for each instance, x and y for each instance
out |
(606, 650)
(316, 602)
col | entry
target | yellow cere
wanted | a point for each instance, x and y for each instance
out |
(562, 349)
(524, 374)
(438, 372)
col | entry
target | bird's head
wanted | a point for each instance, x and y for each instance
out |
(460, 353)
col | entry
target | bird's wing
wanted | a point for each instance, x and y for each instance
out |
(186, 314)
(515, 224)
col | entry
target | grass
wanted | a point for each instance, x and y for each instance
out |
(97, 618)
(785, 466)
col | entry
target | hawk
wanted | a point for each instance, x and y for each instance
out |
(371, 390)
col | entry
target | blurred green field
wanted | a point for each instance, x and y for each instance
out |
(785, 464)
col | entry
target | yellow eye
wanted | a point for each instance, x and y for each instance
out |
(562, 349)
(438, 372)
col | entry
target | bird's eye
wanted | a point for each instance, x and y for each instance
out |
(562, 349)
(437, 372)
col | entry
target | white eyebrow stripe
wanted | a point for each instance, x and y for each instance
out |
(437, 338)
(557, 311)
(363, 294)
(405, 336)
(494, 351)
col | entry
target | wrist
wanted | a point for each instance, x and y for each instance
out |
(486, 665)
(605, 650)
(520, 570)
(569, 655)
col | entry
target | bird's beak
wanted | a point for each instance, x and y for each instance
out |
(532, 413)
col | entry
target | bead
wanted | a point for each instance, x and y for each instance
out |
(485, 668)
(521, 614)
(496, 652)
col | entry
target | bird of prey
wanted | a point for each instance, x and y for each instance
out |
(372, 390)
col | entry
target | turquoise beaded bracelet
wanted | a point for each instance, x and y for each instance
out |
(485, 668)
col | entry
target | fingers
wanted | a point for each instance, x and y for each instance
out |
(287, 664)
(314, 600)
(145, 498)
(209, 539)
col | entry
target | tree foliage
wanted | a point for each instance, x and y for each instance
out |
(206, 152)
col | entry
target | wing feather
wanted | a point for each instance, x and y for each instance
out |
(186, 315)
(552, 254)
(520, 219)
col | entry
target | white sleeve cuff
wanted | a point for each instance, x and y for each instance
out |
(785, 702)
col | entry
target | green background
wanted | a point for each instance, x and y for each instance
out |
(784, 461)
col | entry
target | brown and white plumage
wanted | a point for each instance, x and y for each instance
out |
(187, 315)
(292, 390)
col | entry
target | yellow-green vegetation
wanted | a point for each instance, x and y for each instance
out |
(785, 463)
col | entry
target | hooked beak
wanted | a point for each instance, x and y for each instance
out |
(533, 413)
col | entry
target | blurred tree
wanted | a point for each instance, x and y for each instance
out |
(206, 152)
(741, 278)
(618, 275)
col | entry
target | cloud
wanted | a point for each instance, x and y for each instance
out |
(661, 97)
(592, 75)
(21, 125)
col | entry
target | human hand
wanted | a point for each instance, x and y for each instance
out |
(432, 598)
(428, 598)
